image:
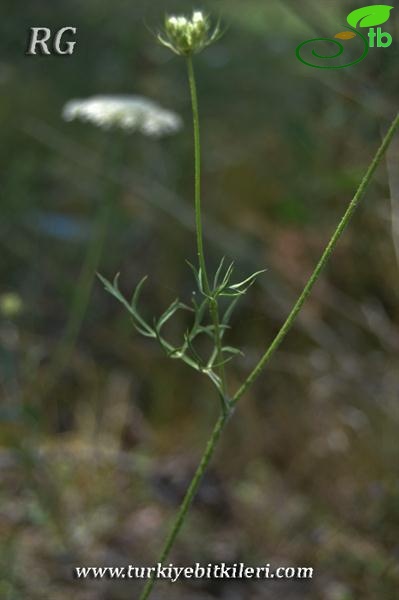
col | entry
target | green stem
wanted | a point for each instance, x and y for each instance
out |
(197, 152)
(322, 262)
(214, 310)
(188, 499)
(213, 305)
(221, 422)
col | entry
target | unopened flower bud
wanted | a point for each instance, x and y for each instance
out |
(185, 36)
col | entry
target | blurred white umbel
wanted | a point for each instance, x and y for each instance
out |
(132, 113)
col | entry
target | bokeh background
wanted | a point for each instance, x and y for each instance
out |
(100, 432)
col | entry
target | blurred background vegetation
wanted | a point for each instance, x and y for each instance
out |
(95, 456)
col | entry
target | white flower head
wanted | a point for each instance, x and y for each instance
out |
(132, 113)
(186, 36)
(181, 22)
(198, 17)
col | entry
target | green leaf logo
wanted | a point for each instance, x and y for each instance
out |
(369, 16)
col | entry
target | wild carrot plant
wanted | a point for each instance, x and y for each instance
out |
(217, 294)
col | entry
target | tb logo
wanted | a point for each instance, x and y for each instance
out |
(42, 42)
(366, 17)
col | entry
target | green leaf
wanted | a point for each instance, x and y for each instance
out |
(149, 333)
(198, 360)
(227, 277)
(229, 311)
(137, 291)
(170, 311)
(199, 310)
(198, 277)
(210, 330)
(194, 270)
(232, 350)
(138, 322)
(249, 281)
(217, 274)
(369, 16)
(108, 286)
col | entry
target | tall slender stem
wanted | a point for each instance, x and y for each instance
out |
(188, 499)
(321, 264)
(213, 304)
(222, 421)
(197, 153)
